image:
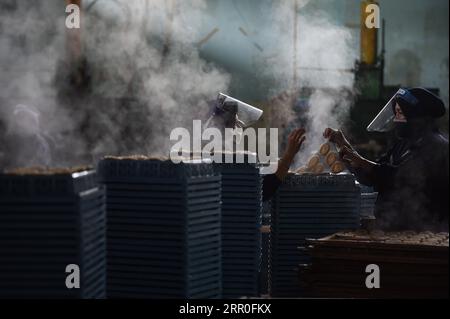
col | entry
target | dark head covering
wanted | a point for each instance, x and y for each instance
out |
(422, 104)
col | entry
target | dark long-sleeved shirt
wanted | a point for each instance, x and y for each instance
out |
(271, 183)
(412, 180)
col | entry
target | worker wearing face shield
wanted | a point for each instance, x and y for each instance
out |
(231, 113)
(412, 177)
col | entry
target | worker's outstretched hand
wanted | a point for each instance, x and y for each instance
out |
(295, 141)
(335, 136)
(353, 160)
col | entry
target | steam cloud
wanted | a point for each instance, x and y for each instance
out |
(144, 70)
(146, 76)
(325, 56)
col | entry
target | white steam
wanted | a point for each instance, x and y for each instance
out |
(144, 70)
(146, 77)
(324, 57)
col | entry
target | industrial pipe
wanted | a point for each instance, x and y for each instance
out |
(369, 36)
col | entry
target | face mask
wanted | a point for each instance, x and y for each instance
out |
(403, 130)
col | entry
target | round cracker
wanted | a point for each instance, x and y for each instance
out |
(313, 161)
(301, 170)
(337, 167)
(319, 168)
(324, 149)
(331, 158)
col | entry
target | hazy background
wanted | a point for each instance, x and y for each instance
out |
(155, 65)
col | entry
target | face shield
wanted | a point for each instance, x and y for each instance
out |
(230, 113)
(236, 114)
(385, 120)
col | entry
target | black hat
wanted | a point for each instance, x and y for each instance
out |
(422, 104)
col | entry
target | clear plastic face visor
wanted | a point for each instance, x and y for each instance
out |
(246, 114)
(385, 120)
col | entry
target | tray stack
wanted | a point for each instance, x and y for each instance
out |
(241, 224)
(265, 234)
(48, 221)
(307, 206)
(368, 202)
(411, 265)
(164, 224)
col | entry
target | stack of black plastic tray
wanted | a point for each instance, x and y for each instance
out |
(241, 229)
(307, 206)
(368, 201)
(265, 237)
(164, 225)
(47, 223)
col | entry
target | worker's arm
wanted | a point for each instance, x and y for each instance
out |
(379, 175)
(367, 172)
(271, 182)
(337, 137)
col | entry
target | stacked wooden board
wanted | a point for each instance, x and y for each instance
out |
(411, 265)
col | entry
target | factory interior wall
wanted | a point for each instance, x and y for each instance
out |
(416, 39)
(416, 42)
